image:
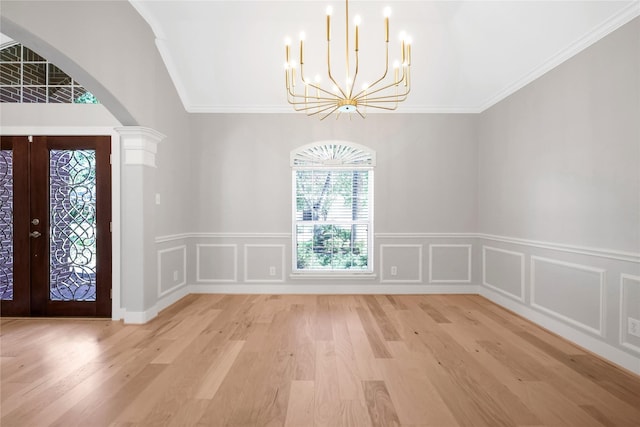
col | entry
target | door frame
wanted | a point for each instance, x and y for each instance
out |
(116, 308)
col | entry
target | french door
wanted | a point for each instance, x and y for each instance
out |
(55, 216)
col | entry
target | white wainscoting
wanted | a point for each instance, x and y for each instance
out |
(264, 263)
(219, 262)
(400, 263)
(453, 265)
(629, 307)
(571, 292)
(172, 269)
(503, 271)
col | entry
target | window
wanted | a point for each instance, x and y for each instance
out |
(27, 77)
(333, 207)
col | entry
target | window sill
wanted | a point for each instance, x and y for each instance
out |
(311, 275)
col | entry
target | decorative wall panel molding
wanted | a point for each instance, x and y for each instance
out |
(216, 263)
(400, 263)
(629, 296)
(264, 263)
(445, 271)
(504, 275)
(556, 284)
(177, 278)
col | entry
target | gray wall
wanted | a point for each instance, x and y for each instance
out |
(559, 197)
(558, 160)
(424, 180)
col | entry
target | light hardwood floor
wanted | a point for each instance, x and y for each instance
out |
(258, 360)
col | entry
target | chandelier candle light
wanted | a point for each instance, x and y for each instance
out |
(384, 93)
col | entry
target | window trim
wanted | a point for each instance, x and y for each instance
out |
(358, 157)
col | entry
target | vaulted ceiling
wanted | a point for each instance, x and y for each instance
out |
(227, 56)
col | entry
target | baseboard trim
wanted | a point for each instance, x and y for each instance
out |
(332, 289)
(584, 340)
(139, 317)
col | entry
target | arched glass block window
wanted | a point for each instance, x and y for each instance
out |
(27, 77)
(333, 207)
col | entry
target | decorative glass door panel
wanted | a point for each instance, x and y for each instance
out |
(6, 225)
(55, 217)
(72, 207)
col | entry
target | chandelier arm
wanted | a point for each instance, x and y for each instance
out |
(383, 108)
(291, 99)
(368, 94)
(384, 75)
(319, 109)
(388, 99)
(346, 35)
(329, 113)
(344, 95)
(323, 90)
(312, 111)
(295, 95)
(314, 105)
(360, 113)
(355, 76)
(331, 107)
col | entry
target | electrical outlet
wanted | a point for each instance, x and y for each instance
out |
(394, 270)
(272, 271)
(633, 327)
(175, 275)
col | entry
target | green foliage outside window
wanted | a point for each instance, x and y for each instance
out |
(332, 248)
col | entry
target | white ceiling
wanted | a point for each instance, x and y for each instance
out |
(227, 56)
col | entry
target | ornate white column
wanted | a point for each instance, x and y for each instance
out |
(138, 179)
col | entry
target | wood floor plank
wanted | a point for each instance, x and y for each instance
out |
(389, 333)
(327, 393)
(300, 410)
(407, 381)
(212, 379)
(375, 341)
(379, 404)
(309, 360)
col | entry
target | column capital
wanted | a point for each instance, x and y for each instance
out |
(140, 145)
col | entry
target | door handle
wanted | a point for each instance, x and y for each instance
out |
(35, 234)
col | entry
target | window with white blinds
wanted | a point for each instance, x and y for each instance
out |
(333, 198)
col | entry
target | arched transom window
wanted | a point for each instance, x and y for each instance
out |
(26, 77)
(333, 207)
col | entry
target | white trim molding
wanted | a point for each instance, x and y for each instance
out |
(496, 288)
(182, 248)
(246, 263)
(442, 245)
(601, 275)
(561, 247)
(623, 312)
(248, 236)
(332, 289)
(383, 278)
(140, 145)
(234, 279)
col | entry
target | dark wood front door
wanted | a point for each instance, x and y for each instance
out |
(55, 218)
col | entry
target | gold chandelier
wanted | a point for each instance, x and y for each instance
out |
(385, 93)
